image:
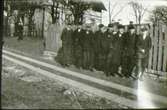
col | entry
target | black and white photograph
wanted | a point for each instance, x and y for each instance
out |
(84, 54)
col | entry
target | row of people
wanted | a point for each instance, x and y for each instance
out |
(105, 49)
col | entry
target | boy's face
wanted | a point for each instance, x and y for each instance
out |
(132, 31)
(111, 29)
(104, 29)
(121, 30)
(101, 29)
(79, 27)
(74, 27)
(115, 28)
(145, 32)
(88, 28)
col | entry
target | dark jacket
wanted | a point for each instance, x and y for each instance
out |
(87, 40)
(66, 37)
(77, 43)
(118, 47)
(76, 38)
(97, 41)
(145, 44)
(104, 43)
(130, 44)
(110, 39)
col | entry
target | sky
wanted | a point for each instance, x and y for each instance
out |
(126, 14)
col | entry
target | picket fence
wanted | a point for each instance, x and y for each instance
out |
(158, 52)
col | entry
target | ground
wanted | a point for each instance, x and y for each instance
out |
(34, 47)
(23, 89)
(31, 45)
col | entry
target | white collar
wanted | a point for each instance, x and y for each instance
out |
(120, 35)
(144, 36)
(114, 32)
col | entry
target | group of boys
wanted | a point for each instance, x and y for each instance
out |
(109, 49)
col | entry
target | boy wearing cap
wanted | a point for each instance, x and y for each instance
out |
(66, 38)
(118, 49)
(87, 49)
(77, 47)
(97, 47)
(104, 48)
(143, 45)
(129, 52)
(110, 50)
(20, 29)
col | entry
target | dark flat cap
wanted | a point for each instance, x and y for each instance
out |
(131, 22)
(131, 27)
(88, 26)
(101, 25)
(110, 25)
(143, 28)
(115, 24)
(120, 26)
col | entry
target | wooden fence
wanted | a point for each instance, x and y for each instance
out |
(53, 40)
(158, 53)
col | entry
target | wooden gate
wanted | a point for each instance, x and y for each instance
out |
(53, 40)
(158, 52)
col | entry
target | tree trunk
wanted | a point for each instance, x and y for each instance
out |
(57, 6)
(139, 20)
(109, 13)
(52, 14)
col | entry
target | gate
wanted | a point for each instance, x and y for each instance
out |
(53, 40)
(158, 52)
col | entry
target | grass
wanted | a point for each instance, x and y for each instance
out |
(29, 45)
(33, 47)
(45, 94)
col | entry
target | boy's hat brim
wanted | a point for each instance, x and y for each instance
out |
(110, 25)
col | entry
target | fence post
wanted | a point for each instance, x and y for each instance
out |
(160, 49)
(155, 48)
(151, 50)
(165, 50)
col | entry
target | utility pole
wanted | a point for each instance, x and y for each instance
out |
(109, 11)
(43, 22)
(101, 16)
(43, 19)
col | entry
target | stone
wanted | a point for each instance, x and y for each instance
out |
(31, 79)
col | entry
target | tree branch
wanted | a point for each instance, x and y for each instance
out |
(118, 12)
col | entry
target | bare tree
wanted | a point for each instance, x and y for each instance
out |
(114, 10)
(159, 14)
(138, 10)
(54, 10)
(77, 7)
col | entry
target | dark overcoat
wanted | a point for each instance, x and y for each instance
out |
(130, 44)
(118, 48)
(143, 44)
